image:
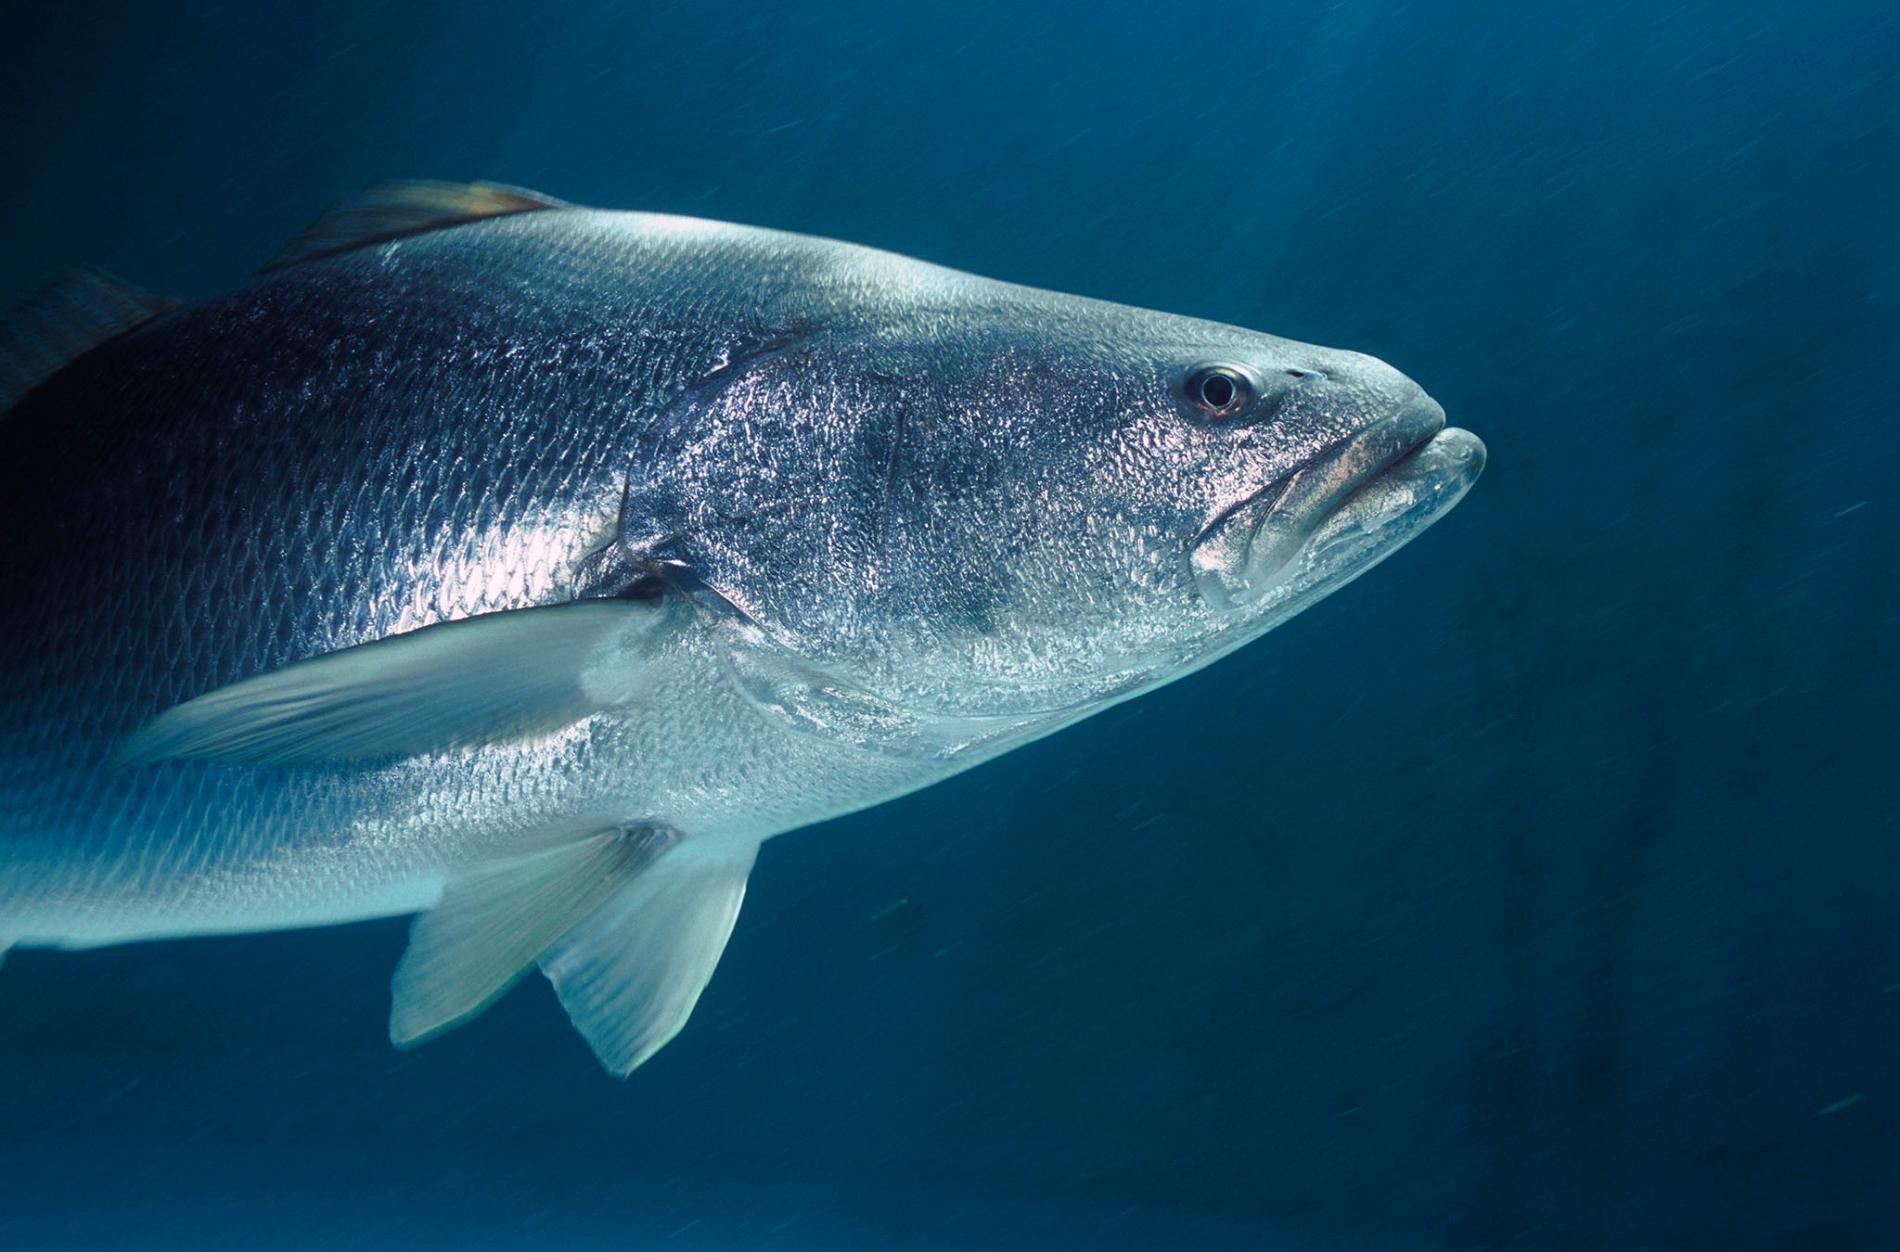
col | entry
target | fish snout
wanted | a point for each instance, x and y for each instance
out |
(1239, 557)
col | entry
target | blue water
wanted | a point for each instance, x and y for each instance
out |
(1540, 891)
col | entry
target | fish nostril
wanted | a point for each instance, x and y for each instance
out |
(1288, 385)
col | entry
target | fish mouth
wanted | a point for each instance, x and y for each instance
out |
(1341, 513)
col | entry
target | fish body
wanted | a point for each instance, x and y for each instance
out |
(526, 569)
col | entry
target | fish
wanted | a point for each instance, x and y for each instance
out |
(523, 567)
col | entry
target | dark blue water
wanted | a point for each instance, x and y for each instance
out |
(1540, 891)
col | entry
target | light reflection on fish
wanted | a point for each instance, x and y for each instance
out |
(524, 566)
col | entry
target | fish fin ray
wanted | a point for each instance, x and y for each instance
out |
(459, 684)
(398, 209)
(631, 972)
(63, 321)
(495, 921)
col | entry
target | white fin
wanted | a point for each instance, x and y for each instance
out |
(631, 973)
(393, 210)
(66, 319)
(453, 685)
(493, 923)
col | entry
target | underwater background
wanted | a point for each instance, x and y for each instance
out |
(1541, 890)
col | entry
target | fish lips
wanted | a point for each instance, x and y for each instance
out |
(1391, 479)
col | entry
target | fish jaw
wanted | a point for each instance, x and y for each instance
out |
(1239, 558)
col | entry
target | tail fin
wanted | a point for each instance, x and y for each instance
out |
(627, 921)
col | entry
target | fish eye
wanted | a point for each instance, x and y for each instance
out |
(1219, 391)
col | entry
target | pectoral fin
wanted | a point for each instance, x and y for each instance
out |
(454, 685)
(493, 923)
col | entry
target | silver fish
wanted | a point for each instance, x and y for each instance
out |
(524, 566)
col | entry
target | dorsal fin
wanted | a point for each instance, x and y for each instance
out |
(66, 319)
(393, 210)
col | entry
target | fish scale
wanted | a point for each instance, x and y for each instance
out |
(525, 566)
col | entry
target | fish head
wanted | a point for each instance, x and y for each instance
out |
(985, 501)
